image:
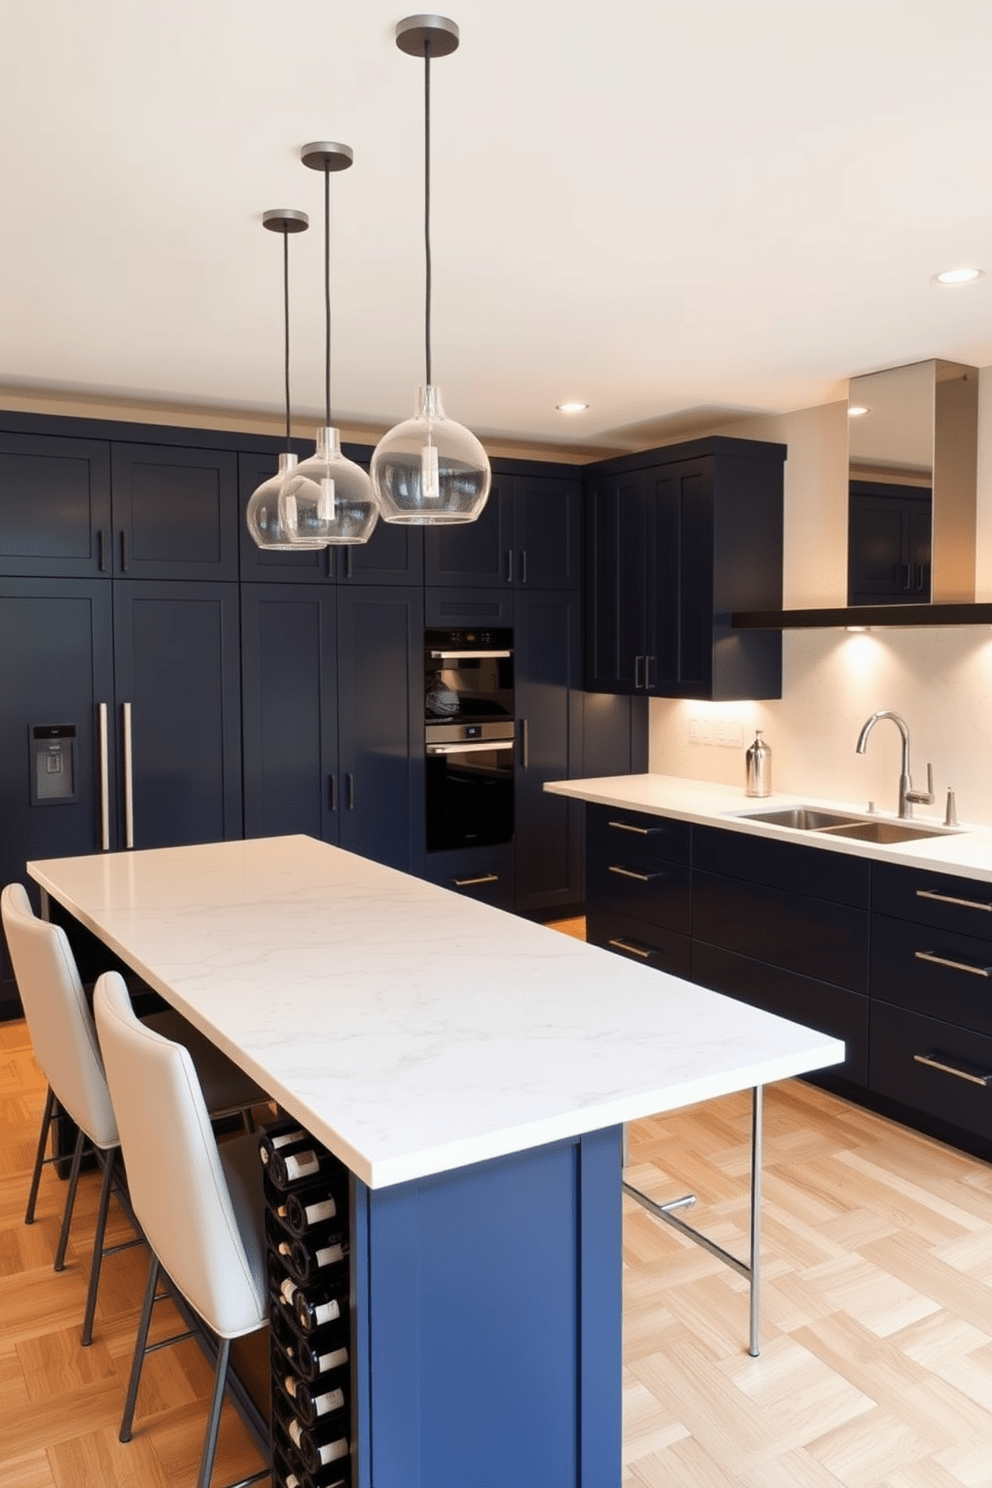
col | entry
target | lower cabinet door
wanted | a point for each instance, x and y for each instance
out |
(627, 881)
(651, 945)
(484, 873)
(828, 1009)
(934, 1067)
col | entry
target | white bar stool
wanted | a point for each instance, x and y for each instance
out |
(64, 1038)
(199, 1204)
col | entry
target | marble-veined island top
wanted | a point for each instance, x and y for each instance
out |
(409, 1028)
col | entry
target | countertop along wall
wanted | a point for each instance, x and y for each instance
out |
(939, 679)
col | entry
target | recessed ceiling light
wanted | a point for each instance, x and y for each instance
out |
(958, 276)
(571, 407)
(857, 410)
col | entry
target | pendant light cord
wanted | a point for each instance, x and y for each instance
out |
(327, 297)
(285, 295)
(427, 207)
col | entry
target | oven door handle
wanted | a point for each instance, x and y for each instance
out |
(476, 748)
(470, 655)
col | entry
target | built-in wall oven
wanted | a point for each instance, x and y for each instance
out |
(469, 737)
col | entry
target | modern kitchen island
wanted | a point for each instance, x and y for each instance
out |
(473, 1071)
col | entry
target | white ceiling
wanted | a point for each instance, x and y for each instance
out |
(679, 213)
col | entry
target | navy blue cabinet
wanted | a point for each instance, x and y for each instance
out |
(676, 540)
(290, 710)
(890, 539)
(381, 723)
(547, 639)
(529, 534)
(55, 495)
(178, 693)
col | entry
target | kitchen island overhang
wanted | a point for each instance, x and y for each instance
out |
(473, 1071)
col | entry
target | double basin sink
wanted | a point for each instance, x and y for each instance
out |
(842, 824)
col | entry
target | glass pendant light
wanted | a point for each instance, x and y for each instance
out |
(334, 500)
(272, 519)
(429, 470)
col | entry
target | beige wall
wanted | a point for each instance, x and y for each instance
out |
(940, 680)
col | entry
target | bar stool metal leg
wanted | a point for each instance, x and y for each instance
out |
(140, 1349)
(70, 1200)
(47, 1118)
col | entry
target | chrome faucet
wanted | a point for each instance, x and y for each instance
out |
(907, 795)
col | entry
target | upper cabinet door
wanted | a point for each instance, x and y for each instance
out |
(394, 554)
(175, 512)
(475, 553)
(54, 506)
(547, 540)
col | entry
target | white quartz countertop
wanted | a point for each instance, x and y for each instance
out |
(965, 851)
(409, 1028)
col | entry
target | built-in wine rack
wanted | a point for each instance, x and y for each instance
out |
(306, 1228)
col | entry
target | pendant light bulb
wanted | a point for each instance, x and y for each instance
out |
(429, 471)
(273, 514)
(334, 501)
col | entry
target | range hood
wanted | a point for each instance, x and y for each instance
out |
(918, 438)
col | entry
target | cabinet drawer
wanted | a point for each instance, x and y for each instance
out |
(831, 1010)
(956, 1093)
(624, 881)
(666, 950)
(620, 830)
(484, 873)
(783, 865)
(963, 905)
(929, 970)
(793, 931)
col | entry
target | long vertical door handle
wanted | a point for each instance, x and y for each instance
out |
(524, 744)
(509, 565)
(523, 565)
(104, 778)
(128, 778)
(637, 671)
(102, 548)
(332, 795)
(349, 791)
(123, 550)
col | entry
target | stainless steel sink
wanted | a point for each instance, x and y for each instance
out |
(859, 828)
(885, 831)
(805, 818)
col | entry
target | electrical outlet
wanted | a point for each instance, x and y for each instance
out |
(730, 734)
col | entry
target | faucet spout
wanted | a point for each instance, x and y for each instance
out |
(907, 795)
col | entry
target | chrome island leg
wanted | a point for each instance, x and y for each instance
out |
(751, 1271)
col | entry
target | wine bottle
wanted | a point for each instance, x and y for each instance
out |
(321, 1353)
(309, 1257)
(279, 1241)
(280, 1285)
(313, 1402)
(301, 1162)
(316, 1305)
(278, 1134)
(321, 1444)
(334, 1475)
(308, 1207)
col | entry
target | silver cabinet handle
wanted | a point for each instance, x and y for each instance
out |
(524, 744)
(982, 971)
(104, 777)
(949, 899)
(936, 1062)
(509, 565)
(481, 746)
(123, 550)
(629, 873)
(482, 878)
(630, 827)
(634, 950)
(523, 565)
(102, 548)
(638, 682)
(128, 778)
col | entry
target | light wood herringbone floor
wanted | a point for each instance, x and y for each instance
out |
(876, 1363)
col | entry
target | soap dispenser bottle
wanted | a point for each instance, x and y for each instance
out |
(759, 767)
